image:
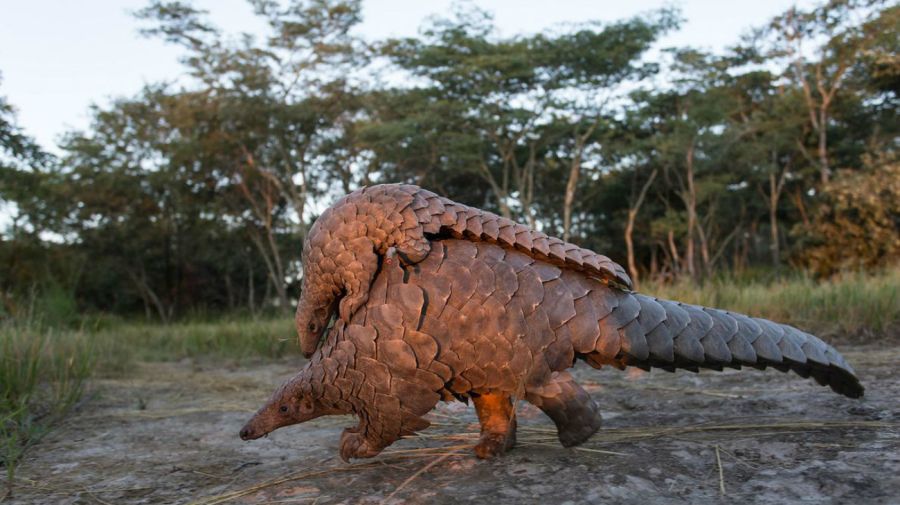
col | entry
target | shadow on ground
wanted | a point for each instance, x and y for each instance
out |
(169, 435)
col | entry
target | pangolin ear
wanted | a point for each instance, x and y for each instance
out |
(306, 405)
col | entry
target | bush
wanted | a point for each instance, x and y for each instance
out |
(857, 225)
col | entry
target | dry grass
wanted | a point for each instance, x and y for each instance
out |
(854, 305)
(120, 345)
(43, 370)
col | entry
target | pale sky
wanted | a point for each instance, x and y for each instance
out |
(57, 57)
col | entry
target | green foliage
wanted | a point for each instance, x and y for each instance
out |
(44, 370)
(53, 306)
(42, 376)
(508, 123)
(16, 148)
(120, 345)
(196, 198)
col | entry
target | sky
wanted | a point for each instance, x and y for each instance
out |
(58, 57)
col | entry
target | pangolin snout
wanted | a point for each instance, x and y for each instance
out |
(248, 433)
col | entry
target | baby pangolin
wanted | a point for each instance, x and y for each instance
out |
(342, 252)
(477, 320)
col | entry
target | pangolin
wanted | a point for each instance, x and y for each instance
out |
(343, 249)
(476, 320)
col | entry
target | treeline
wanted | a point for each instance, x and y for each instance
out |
(779, 153)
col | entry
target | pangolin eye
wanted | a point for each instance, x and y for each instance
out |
(283, 408)
(312, 326)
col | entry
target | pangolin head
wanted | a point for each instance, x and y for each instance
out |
(291, 403)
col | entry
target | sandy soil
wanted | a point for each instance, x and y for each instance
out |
(169, 435)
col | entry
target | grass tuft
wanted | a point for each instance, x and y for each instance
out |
(43, 370)
(42, 376)
(121, 344)
(852, 306)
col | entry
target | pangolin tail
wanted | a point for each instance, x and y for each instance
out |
(671, 335)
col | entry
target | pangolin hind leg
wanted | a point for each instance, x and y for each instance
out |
(571, 408)
(497, 416)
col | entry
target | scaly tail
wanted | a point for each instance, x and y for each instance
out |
(647, 332)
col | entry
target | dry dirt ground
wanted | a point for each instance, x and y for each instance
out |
(168, 434)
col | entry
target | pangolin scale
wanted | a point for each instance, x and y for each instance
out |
(341, 253)
(476, 320)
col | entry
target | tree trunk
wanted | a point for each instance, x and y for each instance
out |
(629, 247)
(569, 199)
(574, 174)
(273, 265)
(776, 187)
(690, 201)
(262, 200)
(279, 282)
(251, 295)
(140, 281)
(499, 191)
(148, 314)
(704, 251)
(673, 248)
(629, 228)
(229, 290)
(824, 168)
(797, 198)
(773, 223)
(525, 182)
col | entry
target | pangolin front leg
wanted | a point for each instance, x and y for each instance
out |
(376, 430)
(356, 445)
(381, 423)
(571, 408)
(497, 416)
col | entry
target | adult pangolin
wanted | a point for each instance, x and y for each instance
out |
(343, 249)
(476, 320)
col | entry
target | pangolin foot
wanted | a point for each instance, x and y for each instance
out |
(579, 432)
(355, 446)
(494, 444)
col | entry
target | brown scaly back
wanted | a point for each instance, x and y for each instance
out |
(345, 245)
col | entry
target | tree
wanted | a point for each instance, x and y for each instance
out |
(514, 106)
(197, 195)
(275, 110)
(851, 30)
(28, 202)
